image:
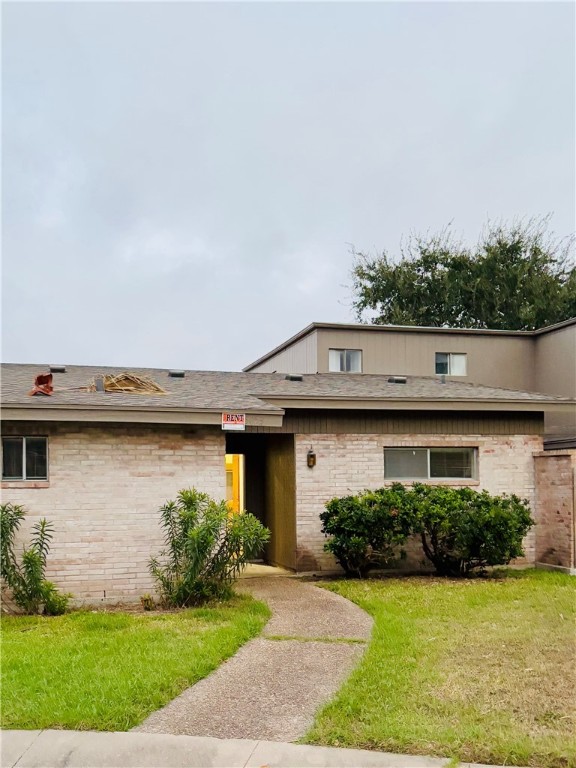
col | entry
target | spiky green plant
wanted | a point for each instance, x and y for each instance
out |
(31, 592)
(206, 548)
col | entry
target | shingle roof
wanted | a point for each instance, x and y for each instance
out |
(250, 392)
(198, 390)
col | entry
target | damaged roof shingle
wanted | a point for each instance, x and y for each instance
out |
(250, 392)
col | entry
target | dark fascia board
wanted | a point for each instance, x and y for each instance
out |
(402, 329)
(559, 443)
(419, 404)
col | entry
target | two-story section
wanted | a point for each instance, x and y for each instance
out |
(535, 361)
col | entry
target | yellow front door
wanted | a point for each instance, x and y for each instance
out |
(235, 481)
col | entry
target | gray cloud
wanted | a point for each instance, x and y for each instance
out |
(181, 180)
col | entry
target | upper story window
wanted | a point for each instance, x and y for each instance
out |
(24, 458)
(345, 360)
(430, 463)
(451, 363)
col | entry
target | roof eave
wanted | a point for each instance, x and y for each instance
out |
(271, 417)
(555, 327)
(280, 347)
(419, 404)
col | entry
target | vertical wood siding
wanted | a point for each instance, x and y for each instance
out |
(395, 423)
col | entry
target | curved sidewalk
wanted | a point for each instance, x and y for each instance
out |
(273, 686)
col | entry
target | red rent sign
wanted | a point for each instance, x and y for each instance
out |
(234, 421)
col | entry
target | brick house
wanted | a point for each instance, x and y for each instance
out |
(541, 360)
(99, 464)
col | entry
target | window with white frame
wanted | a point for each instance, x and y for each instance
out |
(451, 363)
(24, 458)
(345, 360)
(430, 463)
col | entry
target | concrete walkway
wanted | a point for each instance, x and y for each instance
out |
(273, 686)
(86, 749)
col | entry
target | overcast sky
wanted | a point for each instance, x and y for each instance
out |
(182, 182)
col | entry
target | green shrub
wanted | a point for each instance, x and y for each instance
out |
(25, 579)
(462, 529)
(206, 548)
(367, 530)
(147, 602)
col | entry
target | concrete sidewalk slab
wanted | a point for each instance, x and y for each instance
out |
(275, 755)
(88, 749)
(13, 744)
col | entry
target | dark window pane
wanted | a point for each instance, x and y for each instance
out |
(36, 464)
(409, 463)
(353, 360)
(451, 463)
(442, 362)
(12, 468)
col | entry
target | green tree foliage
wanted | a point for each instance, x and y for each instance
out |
(31, 592)
(206, 548)
(518, 277)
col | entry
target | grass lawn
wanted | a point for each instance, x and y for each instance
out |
(108, 671)
(479, 669)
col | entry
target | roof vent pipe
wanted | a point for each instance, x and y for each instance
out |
(177, 374)
(294, 377)
(57, 369)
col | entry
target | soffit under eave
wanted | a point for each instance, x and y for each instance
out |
(14, 413)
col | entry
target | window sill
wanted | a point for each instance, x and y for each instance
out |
(435, 481)
(25, 484)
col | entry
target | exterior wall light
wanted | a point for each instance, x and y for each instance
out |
(311, 458)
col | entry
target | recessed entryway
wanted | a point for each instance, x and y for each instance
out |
(261, 478)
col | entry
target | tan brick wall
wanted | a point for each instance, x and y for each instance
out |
(107, 482)
(555, 504)
(105, 487)
(347, 464)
